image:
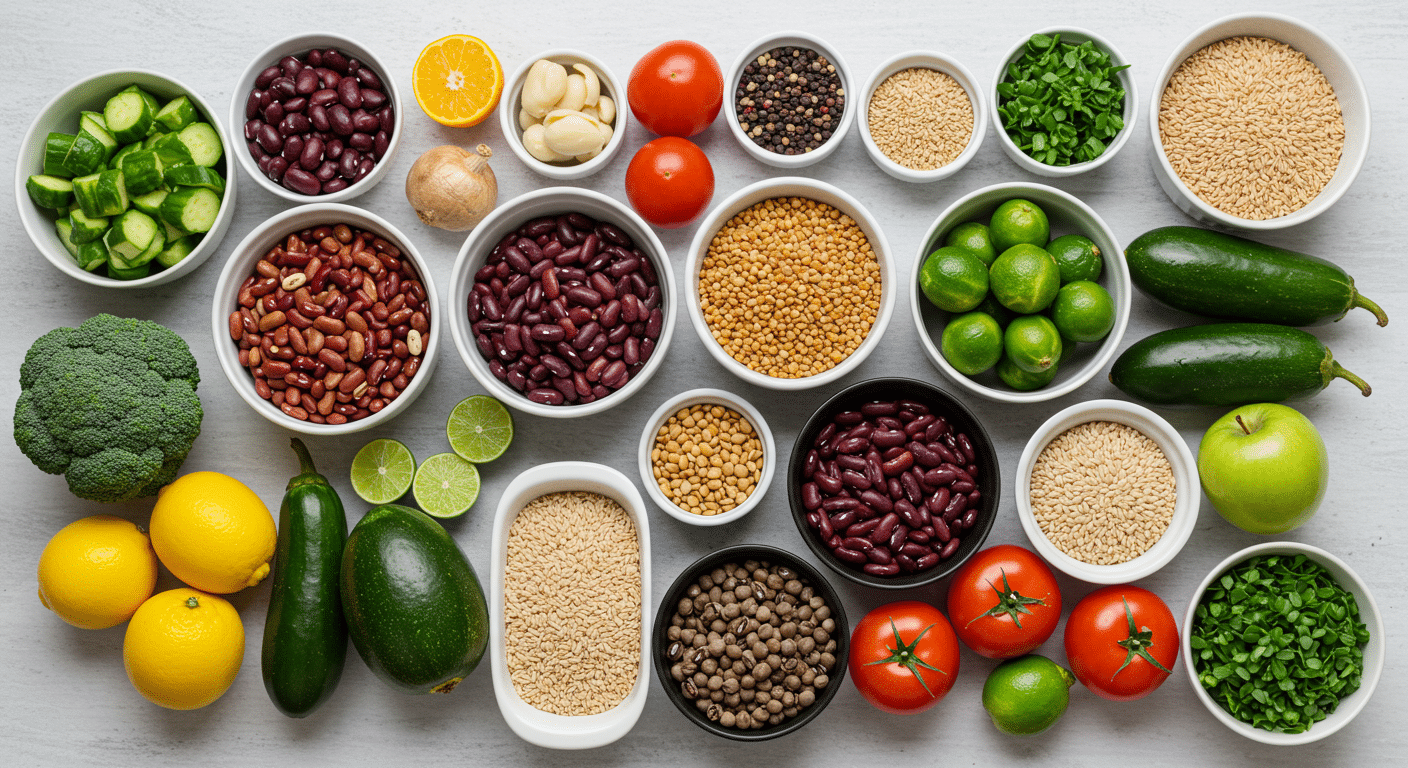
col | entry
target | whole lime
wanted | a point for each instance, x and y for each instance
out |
(1033, 343)
(1021, 380)
(1077, 256)
(1027, 695)
(953, 279)
(1025, 278)
(1083, 311)
(1018, 221)
(973, 236)
(993, 308)
(972, 343)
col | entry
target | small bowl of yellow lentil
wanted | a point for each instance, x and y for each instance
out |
(922, 116)
(707, 457)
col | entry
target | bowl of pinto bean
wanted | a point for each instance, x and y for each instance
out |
(893, 483)
(326, 320)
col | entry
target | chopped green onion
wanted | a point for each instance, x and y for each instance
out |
(1061, 103)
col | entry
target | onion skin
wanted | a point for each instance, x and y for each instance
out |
(452, 188)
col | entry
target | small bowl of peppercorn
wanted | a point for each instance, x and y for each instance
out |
(750, 643)
(789, 106)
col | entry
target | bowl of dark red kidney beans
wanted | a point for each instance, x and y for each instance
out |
(319, 117)
(893, 483)
(562, 302)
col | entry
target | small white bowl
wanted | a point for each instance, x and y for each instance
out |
(735, 75)
(240, 265)
(1130, 114)
(1338, 70)
(1374, 650)
(789, 186)
(714, 397)
(555, 201)
(61, 115)
(532, 724)
(926, 60)
(1068, 215)
(509, 105)
(1185, 474)
(298, 45)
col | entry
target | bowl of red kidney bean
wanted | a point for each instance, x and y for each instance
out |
(319, 117)
(326, 320)
(893, 483)
(563, 302)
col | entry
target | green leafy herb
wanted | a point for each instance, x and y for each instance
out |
(1061, 103)
(1277, 643)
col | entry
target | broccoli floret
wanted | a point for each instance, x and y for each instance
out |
(111, 405)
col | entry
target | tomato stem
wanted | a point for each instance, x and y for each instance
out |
(1139, 642)
(1009, 601)
(905, 655)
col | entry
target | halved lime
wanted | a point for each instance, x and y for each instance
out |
(382, 471)
(446, 485)
(480, 429)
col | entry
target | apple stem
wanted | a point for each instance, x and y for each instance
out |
(1242, 424)
(1338, 370)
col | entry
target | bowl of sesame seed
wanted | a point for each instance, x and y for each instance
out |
(922, 116)
(788, 102)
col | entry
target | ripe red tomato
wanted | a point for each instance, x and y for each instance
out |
(670, 182)
(676, 89)
(1004, 602)
(904, 657)
(1122, 642)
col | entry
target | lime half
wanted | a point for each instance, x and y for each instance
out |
(446, 485)
(480, 429)
(382, 471)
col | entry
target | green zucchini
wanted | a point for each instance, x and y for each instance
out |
(56, 147)
(1231, 278)
(1228, 364)
(49, 191)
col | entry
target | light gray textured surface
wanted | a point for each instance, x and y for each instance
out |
(64, 697)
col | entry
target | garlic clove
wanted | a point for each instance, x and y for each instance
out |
(591, 112)
(593, 84)
(544, 85)
(525, 119)
(606, 133)
(534, 140)
(575, 97)
(606, 109)
(572, 134)
(588, 156)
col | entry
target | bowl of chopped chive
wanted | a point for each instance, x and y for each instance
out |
(1283, 643)
(1063, 101)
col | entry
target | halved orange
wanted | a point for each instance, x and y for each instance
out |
(457, 80)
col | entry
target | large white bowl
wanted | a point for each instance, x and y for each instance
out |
(925, 60)
(1338, 70)
(789, 186)
(61, 115)
(1068, 215)
(1374, 651)
(509, 105)
(530, 723)
(735, 74)
(241, 265)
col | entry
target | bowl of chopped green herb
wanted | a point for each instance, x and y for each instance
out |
(1064, 102)
(1283, 643)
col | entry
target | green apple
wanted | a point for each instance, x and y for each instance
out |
(1264, 467)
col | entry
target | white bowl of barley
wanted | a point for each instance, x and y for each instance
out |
(922, 116)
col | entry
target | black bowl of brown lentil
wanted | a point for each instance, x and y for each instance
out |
(807, 666)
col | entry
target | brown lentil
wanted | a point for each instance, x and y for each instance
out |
(707, 459)
(789, 100)
(921, 118)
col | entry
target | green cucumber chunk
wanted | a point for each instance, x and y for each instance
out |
(64, 229)
(56, 148)
(129, 116)
(93, 124)
(195, 176)
(86, 155)
(150, 203)
(191, 209)
(49, 191)
(87, 228)
(171, 231)
(169, 148)
(101, 194)
(203, 142)
(132, 233)
(151, 251)
(177, 114)
(129, 273)
(177, 249)
(89, 256)
(142, 172)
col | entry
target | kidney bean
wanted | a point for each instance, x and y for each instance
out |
(885, 529)
(876, 569)
(956, 504)
(876, 500)
(853, 479)
(853, 557)
(912, 515)
(840, 503)
(888, 438)
(879, 555)
(898, 465)
(843, 519)
(949, 548)
(827, 483)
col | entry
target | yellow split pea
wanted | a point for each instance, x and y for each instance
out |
(707, 459)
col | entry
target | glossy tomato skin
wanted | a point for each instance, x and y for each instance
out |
(670, 182)
(975, 590)
(1097, 625)
(892, 687)
(677, 89)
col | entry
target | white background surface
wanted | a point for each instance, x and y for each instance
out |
(64, 698)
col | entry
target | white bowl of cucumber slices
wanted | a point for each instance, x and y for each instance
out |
(124, 180)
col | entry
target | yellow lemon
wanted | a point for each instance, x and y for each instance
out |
(213, 532)
(96, 571)
(183, 648)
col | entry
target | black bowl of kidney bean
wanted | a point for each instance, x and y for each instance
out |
(893, 483)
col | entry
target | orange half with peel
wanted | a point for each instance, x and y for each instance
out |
(457, 80)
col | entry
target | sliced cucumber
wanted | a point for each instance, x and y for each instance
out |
(169, 148)
(64, 228)
(151, 140)
(142, 171)
(177, 114)
(56, 148)
(192, 209)
(89, 256)
(101, 194)
(203, 142)
(171, 231)
(116, 160)
(49, 191)
(92, 123)
(195, 176)
(177, 249)
(129, 273)
(129, 115)
(132, 233)
(150, 203)
(146, 96)
(86, 155)
(151, 251)
(87, 228)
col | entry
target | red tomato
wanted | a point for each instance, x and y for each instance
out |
(676, 89)
(670, 182)
(1004, 602)
(904, 657)
(1122, 642)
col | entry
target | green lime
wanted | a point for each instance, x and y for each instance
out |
(1018, 221)
(954, 279)
(1077, 256)
(1068, 350)
(480, 429)
(1083, 311)
(972, 343)
(382, 471)
(1027, 695)
(1032, 343)
(973, 236)
(1025, 278)
(993, 308)
(1021, 380)
(446, 485)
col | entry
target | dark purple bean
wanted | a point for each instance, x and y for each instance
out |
(974, 496)
(275, 168)
(911, 514)
(916, 427)
(293, 149)
(583, 296)
(387, 116)
(381, 142)
(827, 483)
(306, 82)
(898, 465)
(948, 455)
(372, 99)
(956, 504)
(924, 454)
(876, 500)
(809, 464)
(655, 325)
(839, 503)
(873, 469)
(949, 549)
(886, 527)
(270, 139)
(334, 60)
(312, 154)
(283, 88)
(862, 430)
(251, 129)
(347, 166)
(273, 113)
(966, 445)
(362, 142)
(849, 418)
(893, 487)
(927, 561)
(363, 122)
(898, 537)
(855, 558)
(864, 527)
(545, 396)
(879, 555)
(295, 123)
(962, 486)
(266, 76)
(324, 98)
(852, 445)
(609, 231)
(853, 479)
(857, 543)
(914, 549)
(327, 171)
(630, 348)
(876, 569)
(318, 118)
(879, 408)
(941, 531)
(940, 476)
(369, 78)
(936, 430)
(340, 119)
(349, 94)
(852, 462)
(887, 438)
(919, 536)
(843, 519)
(296, 104)
(912, 491)
(937, 503)
(823, 525)
(585, 335)
(615, 376)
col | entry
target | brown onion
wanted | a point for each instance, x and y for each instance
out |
(452, 188)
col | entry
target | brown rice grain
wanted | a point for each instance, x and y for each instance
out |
(920, 118)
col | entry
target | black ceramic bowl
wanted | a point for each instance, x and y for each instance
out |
(739, 554)
(940, 403)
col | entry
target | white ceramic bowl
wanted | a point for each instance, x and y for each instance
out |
(926, 60)
(509, 105)
(735, 74)
(298, 45)
(61, 115)
(1068, 215)
(554, 201)
(1374, 651)
(1185, 473)
(1337, 68)
(1130, 114)
(685, 400)
(240, 265)
(789, 186)
(530, 723)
